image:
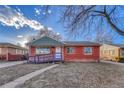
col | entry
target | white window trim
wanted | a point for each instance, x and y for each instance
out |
(72, 52)
(87, 53)
(43, 53)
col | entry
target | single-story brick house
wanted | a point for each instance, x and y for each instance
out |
(11, 52)
(50, 49)
(111, 51)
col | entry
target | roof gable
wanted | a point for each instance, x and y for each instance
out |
(45, 41)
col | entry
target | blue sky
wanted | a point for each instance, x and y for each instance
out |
(30, 20)
(10, 33)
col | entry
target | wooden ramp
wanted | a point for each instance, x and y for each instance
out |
(44, 58)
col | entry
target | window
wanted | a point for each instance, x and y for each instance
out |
(70, 50)
(122, 53)
(113, 52)
(106, 51)
(42, 50)
(0, 50)
(109, 52)
(101, 52)
(88, 50)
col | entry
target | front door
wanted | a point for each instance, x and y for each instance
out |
(58, 53)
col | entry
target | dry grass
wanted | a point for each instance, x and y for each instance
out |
(10, 73)
(79, 75)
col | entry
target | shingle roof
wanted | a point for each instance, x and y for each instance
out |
(45, 41)
(119, 45)
(4, 44)
(48, 41)
(81, 43)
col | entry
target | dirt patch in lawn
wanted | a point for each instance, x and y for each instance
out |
(8, 74)
(80, 75)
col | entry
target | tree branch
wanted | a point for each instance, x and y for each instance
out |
(119, 31)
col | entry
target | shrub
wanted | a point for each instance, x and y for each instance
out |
(119, 59)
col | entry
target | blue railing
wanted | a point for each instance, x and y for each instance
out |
(45, 58)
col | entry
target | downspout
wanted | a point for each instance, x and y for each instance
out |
(7, 55)
(63, 53)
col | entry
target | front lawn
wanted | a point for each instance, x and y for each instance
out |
(80, 75)
(8, 74)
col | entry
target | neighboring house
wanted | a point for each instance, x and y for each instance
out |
(80, 51)
(11, 52)
(111, 51)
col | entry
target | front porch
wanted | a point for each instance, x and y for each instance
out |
(44, 58)
(42, 54)
(45, 49)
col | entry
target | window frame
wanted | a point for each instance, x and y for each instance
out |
(39, 53)
(121, 53)
(88, 53)
(73, 51)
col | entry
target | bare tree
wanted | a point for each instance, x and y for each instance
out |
(90, 17)
(83, 19)
(45, 32)
(103, 36)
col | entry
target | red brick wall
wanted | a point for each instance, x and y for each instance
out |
(10, 54)
(15, 57)
(32, 51)
(78, 55)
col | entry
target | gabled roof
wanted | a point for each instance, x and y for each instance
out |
(4, 44)
(45, 41)
(77, 43)
(48, 41)
(120, 45)
(117, 45)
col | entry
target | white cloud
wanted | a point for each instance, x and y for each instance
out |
(49, 11)
(22, 40)
(11, 17)
(49, 28)
(37, 11)
(19, 36)
(44, 13)
(57, 33)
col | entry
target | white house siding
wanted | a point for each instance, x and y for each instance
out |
(4, 51)
(109, 52)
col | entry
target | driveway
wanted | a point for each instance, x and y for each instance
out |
(11, 63)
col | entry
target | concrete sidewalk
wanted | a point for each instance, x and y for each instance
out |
(9, 64)
(24, 78)
(112, 62)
